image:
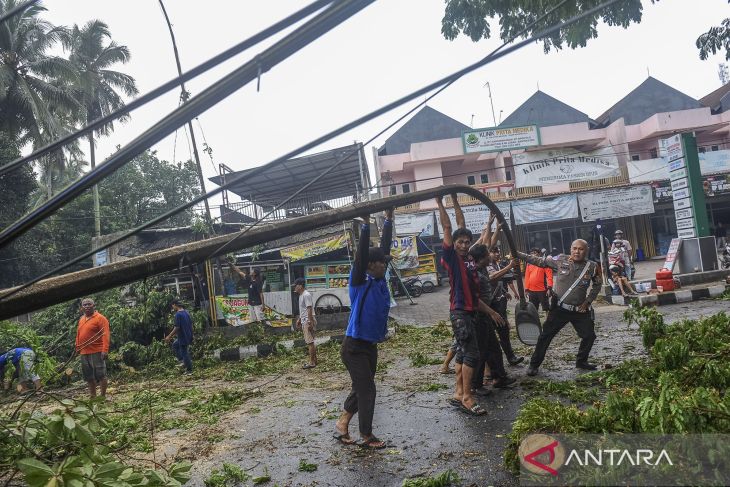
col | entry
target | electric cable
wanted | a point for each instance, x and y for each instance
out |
(172, 84)
(218, 91)
(320, 140)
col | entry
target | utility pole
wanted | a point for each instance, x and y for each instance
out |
(184, 95)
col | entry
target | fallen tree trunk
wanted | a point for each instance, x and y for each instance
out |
(62, 288)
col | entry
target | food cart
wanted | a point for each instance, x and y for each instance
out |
(328, 284)
(426, 270)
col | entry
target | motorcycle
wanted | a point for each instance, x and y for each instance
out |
(412, 285)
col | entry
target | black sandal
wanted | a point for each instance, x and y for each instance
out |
(343, 438)
(369, 443)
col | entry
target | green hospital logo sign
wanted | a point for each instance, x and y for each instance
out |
(496, 139)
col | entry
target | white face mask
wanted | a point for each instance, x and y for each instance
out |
(598, 227)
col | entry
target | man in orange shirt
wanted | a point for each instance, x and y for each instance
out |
(538, 283)
(92, 344)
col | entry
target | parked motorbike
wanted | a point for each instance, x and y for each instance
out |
(412, 285)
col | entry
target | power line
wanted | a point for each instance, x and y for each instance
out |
(326, 137)
(172, 84)
(218, 91)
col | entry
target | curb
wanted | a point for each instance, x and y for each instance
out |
(265, 349)
(679, 296)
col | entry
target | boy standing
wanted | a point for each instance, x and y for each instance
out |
(306, 321)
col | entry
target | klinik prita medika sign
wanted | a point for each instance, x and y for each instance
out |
(537, 168)
(496, 139)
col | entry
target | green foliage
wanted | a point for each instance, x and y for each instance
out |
(307, 467)
(680, 389)
(715, 40)
(418, 359)
(229, 476)
(444, 479)
(650, 321)
(433, 387)
(14, 335)
(262, 479)
(64, 447)
(570, 389)
(472, 18)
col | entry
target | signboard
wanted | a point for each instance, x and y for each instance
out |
(236, 312)
(616, 203)
(405, 252)
(100, 258)
(495, 139)
(561, 165)
(672, 254)
(476, 216)
(414, 223)
(315, 247)
(563, 207)
(688, 192)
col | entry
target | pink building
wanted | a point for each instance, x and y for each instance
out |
(609, 167)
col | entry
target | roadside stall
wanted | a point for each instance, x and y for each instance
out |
(325, 264)
(277, 297)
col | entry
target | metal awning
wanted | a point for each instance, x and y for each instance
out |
(282, 181)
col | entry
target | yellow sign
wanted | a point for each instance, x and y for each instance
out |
(315, 247)
(426, 265)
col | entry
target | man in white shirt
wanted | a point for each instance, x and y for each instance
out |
(306, 321)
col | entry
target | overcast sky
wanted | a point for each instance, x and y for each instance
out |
(386, 51)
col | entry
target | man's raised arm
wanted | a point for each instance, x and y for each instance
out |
(445, 223)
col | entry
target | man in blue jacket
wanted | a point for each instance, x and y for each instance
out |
(368, 325)
(183, 330)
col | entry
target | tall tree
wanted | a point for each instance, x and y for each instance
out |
(715, 40)
(35, 101)
(97, 88)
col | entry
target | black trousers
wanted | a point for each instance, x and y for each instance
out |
(489, 351)
(361, 359)
(538, 298)
(556, 320)
(500, 306)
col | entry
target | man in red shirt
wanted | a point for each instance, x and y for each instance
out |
(538, 283)
(464, 303)
(92, 344)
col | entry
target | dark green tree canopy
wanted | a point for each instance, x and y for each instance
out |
(715, 40)
(472, 18)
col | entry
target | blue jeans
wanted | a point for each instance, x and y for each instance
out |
(183, 354)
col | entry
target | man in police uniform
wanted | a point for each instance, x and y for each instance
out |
(573, 275)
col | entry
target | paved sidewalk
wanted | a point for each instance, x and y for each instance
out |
(429, 308)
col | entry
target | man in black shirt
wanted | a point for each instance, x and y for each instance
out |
(255, 287)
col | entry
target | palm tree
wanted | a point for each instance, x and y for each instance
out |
(97, 88)
(35, 100)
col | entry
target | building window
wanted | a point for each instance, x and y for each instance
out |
(406, 188)
(652, 153)
(701, 150)
(635, 157)
(715, 148)
(508, 175)
(392, 190)
(471, 180)
(484, 178)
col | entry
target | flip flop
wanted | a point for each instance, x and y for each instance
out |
(455, 402)
(308, 366)
(343, 438)
(447, 372)
(369, 444)
(475, 410)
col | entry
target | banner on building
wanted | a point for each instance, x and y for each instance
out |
(476, 216)
(616, 203)
(405, 252)
(314, 248)
(414, 223)
(563, 207)
(495, 139)
(237, 313)
(561, 165)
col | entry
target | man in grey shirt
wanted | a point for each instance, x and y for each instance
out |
(572, 304)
